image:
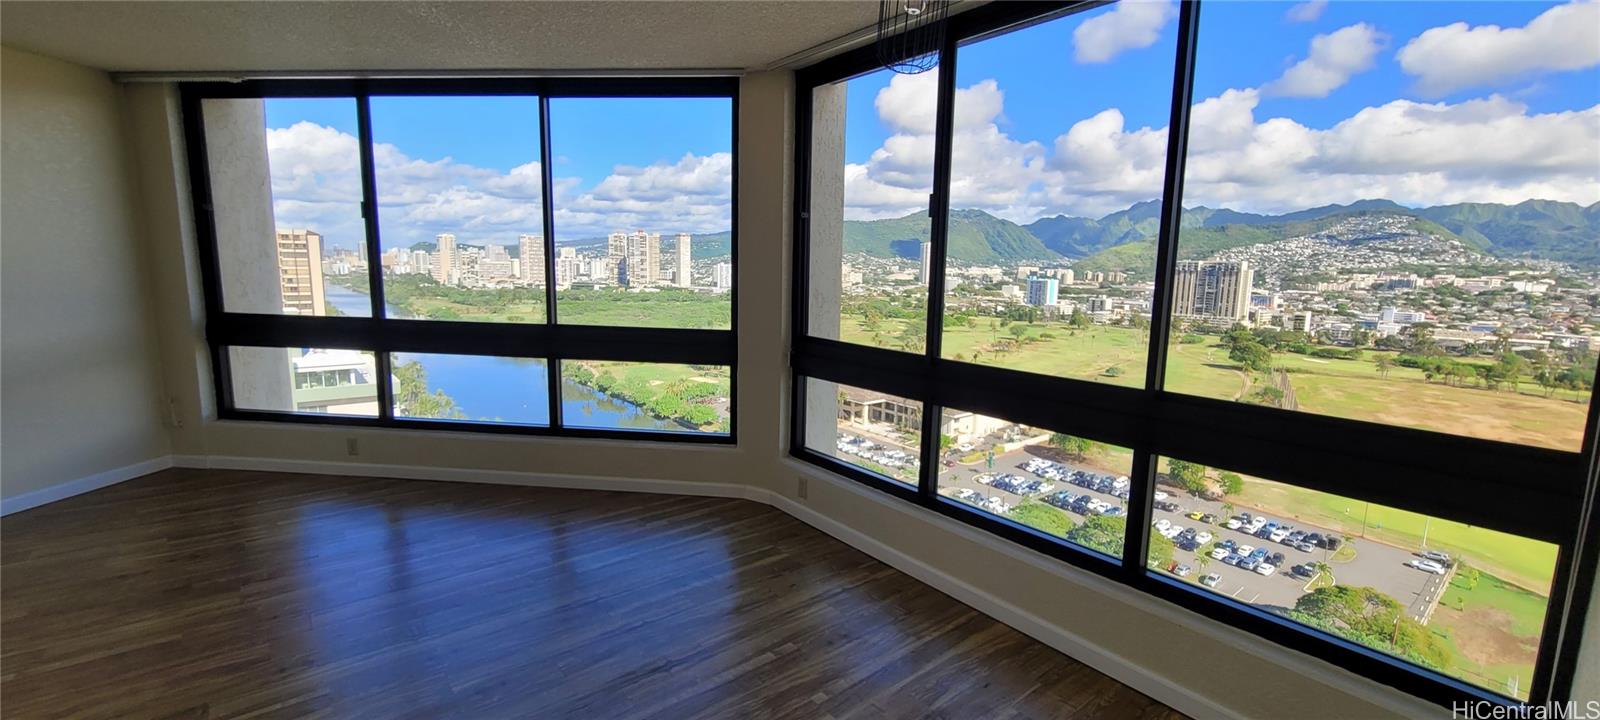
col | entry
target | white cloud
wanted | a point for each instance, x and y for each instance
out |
(316, 184)
(1333, 59)
(1130, 25)
(1306, 11)
(1456, 56)
(1486, 150)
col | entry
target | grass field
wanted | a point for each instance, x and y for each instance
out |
(1528, 563)
(1342, 388)
(1494, 635)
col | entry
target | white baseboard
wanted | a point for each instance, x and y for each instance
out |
(491, 477)
(89, 483)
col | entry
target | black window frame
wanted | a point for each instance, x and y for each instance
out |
(1556, 489)
(549, 341)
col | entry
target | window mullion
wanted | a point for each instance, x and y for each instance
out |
(552, 364)
(369, 217)
(1172, 197)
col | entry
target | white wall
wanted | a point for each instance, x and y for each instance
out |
(80, 392)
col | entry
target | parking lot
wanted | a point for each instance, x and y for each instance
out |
(1374, 564)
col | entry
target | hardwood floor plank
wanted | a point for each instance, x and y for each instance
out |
(232, 594)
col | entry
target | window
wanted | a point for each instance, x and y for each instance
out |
(1169, 264)
(1046, 171)
(434, 254)
(1348, 250)
(650, 242)
(471, 388)
(648, 396)
(459, 208)
(1065, 486)
(876, 432)
(1465, 600)
(869, 219)
(296, 161)
(304, 380)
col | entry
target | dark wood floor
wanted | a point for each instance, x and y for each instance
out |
(202, 593)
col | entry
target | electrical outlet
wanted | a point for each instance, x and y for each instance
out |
(352, 446)
(803, 489)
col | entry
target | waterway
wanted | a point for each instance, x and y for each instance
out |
(512, 390)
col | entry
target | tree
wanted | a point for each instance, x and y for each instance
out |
(1231, 483)
(1102, 533)
(1252, 355)
(1371, 618)
(1019, 332)
(1385, 364)
(412, 397)
(913, 338)
(945, 441)
(1192, 476)
(1079, 319)
(1072, 445)
(1042, 517)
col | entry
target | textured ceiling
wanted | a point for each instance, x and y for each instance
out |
(265, 36)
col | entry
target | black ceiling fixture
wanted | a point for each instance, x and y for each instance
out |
(910, 33)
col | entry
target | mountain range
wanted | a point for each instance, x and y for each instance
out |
(1126, 239)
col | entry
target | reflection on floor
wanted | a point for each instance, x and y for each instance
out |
(205, 593)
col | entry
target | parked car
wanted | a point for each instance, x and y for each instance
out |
(1209, 518)
(1219, 553)
(1211, 580)
(1304, 570)
(1233, 524)
(1427, 566)
(1202, 537)
(1265, 569)
(1250, 563)
(1196, 515)
(1181, 570)
(1438, 557)
(1276, 559)
(1304, 546)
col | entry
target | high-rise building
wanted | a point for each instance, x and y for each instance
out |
(1043, 291)
(566, 267)
(445, 267)
(617, 246)
(1067, 276)
(300, 272)
(421, 262)
(530, 257)
(925, 270)
(685, 266)
(1217, 290)
(640, 263)
(722, 276)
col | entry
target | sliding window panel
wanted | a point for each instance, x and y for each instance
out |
(285, 181)
(1057, 164)
(646, 397)
(460, 207)
(643, 211)
(1458, 599)
(1068, 487)
(471, 388)
(1397, 240)
(319, 381)
(877, 432)
(871, 175)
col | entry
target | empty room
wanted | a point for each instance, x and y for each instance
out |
(812, 359)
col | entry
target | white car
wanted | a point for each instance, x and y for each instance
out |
(964, 493)
(996, 506)
(1220, 553)
(1265, 569)
(1427, 566)
(1244, 550)
(1162, 524)
(1233, 524)
(1202, 537)
(1211, 580)
(1161, 495)
(1279, 534)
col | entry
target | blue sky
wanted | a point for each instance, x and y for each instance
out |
(1296, 105)
(1046, 83)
